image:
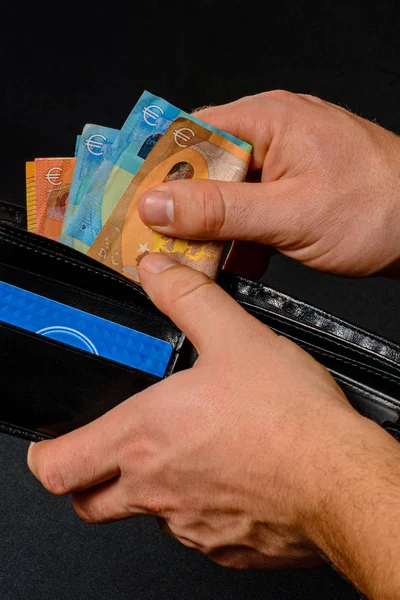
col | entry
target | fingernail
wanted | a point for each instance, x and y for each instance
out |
(157, 262)
(157, 207)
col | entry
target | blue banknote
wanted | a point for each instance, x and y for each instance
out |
(78, 141)
(91, 149)
(148, 121)
(83, 330)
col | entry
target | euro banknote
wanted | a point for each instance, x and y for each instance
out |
(92, 146)
(48, 185)
(145, 126)
(30, 196)
(186, 151)
(78, 141)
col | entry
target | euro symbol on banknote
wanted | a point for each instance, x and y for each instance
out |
(184, 134)
(92, 147)
(151, 114)
(124, 239)
(140, 134)
(53, 176)
(95, 145)
(52, 181)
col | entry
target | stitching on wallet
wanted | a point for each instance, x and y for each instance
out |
(180, 336)
(341, 322)
(334, 357)
(73, 263)
(25, 433)
(340, 342)
(44, 242)
(374, 397)
(255, 288)
(110, 301)
(349, 360)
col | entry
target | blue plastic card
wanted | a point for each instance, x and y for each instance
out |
(83, 330)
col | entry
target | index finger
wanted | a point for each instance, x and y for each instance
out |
(82, 458)
(254, 119)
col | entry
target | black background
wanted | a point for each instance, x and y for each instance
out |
(62, 67)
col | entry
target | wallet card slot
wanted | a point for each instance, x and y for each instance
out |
(129, 315)
(58, 388)
(34, 263)
(36, 254)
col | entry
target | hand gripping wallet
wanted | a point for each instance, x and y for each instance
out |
(49, 388)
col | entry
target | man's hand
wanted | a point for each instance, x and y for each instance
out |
(329, 194)
(251, 456)
(224, 451)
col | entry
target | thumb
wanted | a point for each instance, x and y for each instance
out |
(206, 314)
(215, 210)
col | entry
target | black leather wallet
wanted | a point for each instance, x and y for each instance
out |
(49, 388)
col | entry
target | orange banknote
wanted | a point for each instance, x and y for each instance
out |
(186, 151)
(48, 181)
(30, 196)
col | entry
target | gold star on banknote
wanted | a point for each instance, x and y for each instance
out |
(143, 247)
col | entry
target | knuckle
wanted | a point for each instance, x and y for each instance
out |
(187, 288)
(212, 209)
(155, 503)
(84, 513)
(93, 510)
(283, 106)
(282, 96)
(249, 99)
(51, 476)
(312, 98)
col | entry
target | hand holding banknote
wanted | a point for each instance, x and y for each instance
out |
(329, 188)
(200, 154)
(227, 454)
(112, 168)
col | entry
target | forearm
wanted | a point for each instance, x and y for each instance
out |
(358, 508)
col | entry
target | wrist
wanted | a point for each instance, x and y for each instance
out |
(389, 169)
(354, 514)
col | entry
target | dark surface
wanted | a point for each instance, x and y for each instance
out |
(48, 553)
(63, 68)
